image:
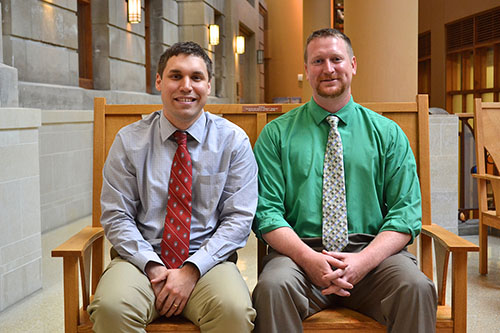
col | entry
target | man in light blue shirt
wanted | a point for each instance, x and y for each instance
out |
(207, 289)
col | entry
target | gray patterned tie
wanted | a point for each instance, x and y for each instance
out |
(334, 204)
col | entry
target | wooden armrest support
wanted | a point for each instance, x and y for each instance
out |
(446, 242)
(76, 253)
(76, 245)
(448, 239)
(486, 176)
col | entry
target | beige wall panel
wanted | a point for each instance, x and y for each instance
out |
(285, 48)
(384, 38)
(316, 16)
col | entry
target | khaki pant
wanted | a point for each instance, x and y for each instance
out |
(124, 300)
(396, 294)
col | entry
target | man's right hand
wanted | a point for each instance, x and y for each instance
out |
(156, 272)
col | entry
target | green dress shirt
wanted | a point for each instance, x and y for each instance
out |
(382, 187)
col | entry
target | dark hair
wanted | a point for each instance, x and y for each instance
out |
(190, 48)
(329, 32)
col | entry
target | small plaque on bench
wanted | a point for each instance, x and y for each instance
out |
(261, 108)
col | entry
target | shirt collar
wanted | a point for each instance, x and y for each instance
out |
(319, 114)
(195, 130)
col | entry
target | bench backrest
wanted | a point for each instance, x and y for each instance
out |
(487, 127)
(412, 117)
(110, 118)
(487, 119)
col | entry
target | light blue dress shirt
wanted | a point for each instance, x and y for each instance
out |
(135, 188)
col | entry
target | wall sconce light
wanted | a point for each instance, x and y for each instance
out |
(260, 57)
(240, 44)
(134, 11)
(214, 34)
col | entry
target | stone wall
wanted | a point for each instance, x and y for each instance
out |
(164, 30)
(118, 48)
(65, 166)
(8, 78)
(8, 86)
(20, 241)
(41, 40)
(1, 33)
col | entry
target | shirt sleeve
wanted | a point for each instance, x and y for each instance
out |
(402, 187)
(271, 207)
(119, 202)
(237, 209)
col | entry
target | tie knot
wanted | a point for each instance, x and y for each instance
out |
(333, 120)
(181, 138)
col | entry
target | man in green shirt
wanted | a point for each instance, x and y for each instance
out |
(373, 274)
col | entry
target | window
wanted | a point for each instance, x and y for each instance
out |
(84, 45)
(337, 14)
(473, 61)
(150, 77)
(262, 46)
(220, 58)
(424, 63)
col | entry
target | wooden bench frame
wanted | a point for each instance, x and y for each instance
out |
(83, 254)
(486, 127)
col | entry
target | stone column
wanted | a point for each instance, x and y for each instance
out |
(164, 23)
(194, 19)
(100, 45)
(1, 38)
(118, 48)
(9, 95)
(443, 129)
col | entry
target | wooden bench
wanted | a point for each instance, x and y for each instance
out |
(83, 254)
(486, 129)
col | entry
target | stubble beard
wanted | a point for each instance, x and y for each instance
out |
(333, 94)
(328, 93)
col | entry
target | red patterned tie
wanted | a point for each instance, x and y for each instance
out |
(175, 243)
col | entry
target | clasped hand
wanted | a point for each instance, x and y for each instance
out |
(173, 287)
(337, 272)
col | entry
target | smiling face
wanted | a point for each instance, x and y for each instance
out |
(329, 69)
(184, 88)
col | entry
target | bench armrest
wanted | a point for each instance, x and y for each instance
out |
(486, 176)
(450, 241)
(76, 245)
(83, 253)
(446, 242)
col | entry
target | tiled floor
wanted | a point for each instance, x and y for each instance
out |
(43, 311)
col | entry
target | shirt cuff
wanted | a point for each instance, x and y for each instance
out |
(202, 260)
(142, 258)
(267, 224)
(404, 228)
